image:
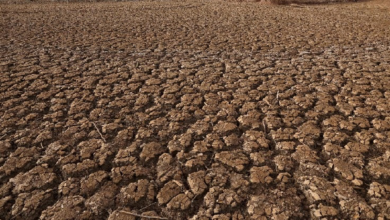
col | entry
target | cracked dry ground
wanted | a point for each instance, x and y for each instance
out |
(205, 111)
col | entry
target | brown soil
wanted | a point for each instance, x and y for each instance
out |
(194, 110)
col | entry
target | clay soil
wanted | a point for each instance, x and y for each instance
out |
(194, 110)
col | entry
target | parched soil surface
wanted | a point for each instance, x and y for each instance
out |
(194, 111)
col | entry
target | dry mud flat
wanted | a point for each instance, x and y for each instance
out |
(194, 111)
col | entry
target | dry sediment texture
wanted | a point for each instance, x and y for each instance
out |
(310, 1)
(202, 111)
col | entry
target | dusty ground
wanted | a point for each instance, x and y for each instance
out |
(194, 110)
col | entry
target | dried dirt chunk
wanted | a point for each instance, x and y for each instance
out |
(181, 201)
(380, 166)
(101, 201)
(65, 208)
(317, 189)
(200, 127)
(53, 152)
(261, 174)
(196, 181)
(123, 157)
(5, 147)
(74, 170)
(238, 181)
(166, 167)
(286, 134)
(37, 178)
(95, 149)
(170, 190)
(364, 137)
(286, 145)
(128, 173)
(142, 100)
(351, 204)
(90, 184)
(324, 211)
(303, 153)
(382, 207)
(257, 158)
(21, 158)
(283, 177)
(379, 190)
(151, 150)
(219, 176)
(110, 127)
(31, 204)
(69, 187)
(210, 199)
(124, 136)
(197, 160)
(229, 198)
(257, 136)
(224, 127)
(283, 163)
(358, 147)
(250, 121)
(308, 133)
(347, 171)
(44, 136)
(231, 140)
(272, 122)
(275, 204)
(222, 217)
(235, 159)
(134, 192)
(118, 215)
(78, 106)
(312, 169)
(381, 125)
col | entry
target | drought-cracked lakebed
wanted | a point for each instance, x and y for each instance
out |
(194, 110)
